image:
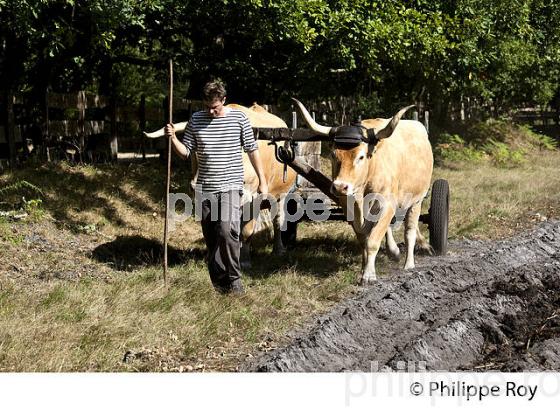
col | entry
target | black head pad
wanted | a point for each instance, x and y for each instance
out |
(347, 135)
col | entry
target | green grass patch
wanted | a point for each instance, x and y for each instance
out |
(163, 304)
(54, 298)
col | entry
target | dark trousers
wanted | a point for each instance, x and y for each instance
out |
(221, 226)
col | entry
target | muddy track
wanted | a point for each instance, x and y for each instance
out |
(485, 306)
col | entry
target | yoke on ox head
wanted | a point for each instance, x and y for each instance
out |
(354, 146)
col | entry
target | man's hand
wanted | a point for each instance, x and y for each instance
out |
(178, 146)
(263, 194)
(263, 188)
(169, 131)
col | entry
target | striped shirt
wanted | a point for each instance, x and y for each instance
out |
(217, 143)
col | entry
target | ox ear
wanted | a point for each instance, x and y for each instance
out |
(390, 127)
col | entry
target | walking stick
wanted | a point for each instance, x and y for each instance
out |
(170, 120)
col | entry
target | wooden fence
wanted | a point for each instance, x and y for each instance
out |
(95, 128)
(88, 122)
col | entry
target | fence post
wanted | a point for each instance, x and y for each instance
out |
(46, 132)
(142, 119)
(81, 121)
(427, 120)
(114, 141)
(415, 115)
(10, 128)
(294, 119)
(9, 124)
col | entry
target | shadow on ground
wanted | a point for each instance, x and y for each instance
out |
(69, 190)
(128, 253)
(320, 257)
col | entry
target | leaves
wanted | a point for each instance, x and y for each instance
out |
(397, 50)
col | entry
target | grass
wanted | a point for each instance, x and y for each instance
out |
(89, 325)
(81, 286)
(494, 202)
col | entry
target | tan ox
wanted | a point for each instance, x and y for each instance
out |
(273, 170)
(394, 164)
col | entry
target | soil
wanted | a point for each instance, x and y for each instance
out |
(484, 306)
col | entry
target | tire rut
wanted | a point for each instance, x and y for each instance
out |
(487, 305)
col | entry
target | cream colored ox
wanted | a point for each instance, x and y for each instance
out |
(273, 170)
(394, 164)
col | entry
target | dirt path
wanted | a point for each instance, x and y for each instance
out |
(489, 305)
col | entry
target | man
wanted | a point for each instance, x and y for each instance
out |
(217, 135)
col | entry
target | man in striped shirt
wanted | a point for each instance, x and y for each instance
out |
(217, 136)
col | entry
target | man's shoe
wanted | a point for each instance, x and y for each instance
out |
(222, 289)
(237, 288)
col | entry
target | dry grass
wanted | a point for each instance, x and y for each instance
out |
(80, 286)
(493, 202)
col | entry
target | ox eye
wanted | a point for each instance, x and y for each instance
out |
(361, 157)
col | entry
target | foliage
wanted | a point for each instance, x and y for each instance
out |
(13, 201)
(21, 187)
(504, 144)
(539, 140)
(502, 154)
(399, 51)
(452, 148)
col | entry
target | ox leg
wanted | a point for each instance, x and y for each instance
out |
(410, 232)
(246, 235)
(422, 243)
(279, 248)
(372, 245)
(392, 248)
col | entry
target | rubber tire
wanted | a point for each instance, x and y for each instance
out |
(439, 216)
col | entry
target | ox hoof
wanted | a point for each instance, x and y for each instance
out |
(368, 280)
(394, 256)
(409, 266)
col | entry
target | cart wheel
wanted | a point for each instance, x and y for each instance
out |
(439, 216)
(289, 236)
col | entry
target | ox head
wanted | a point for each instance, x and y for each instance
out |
(354, 146)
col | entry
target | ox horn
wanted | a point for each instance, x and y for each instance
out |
(321, 129)
(389, 128)
(179, 127)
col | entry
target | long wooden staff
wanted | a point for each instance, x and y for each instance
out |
(170, 120)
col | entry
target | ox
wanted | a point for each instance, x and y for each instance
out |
(389, 160)
(273, 170)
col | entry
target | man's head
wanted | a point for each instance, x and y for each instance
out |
(214, 97)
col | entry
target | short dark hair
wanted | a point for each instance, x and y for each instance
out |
(213, 90)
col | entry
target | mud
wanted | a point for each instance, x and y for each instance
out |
(484, 306)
